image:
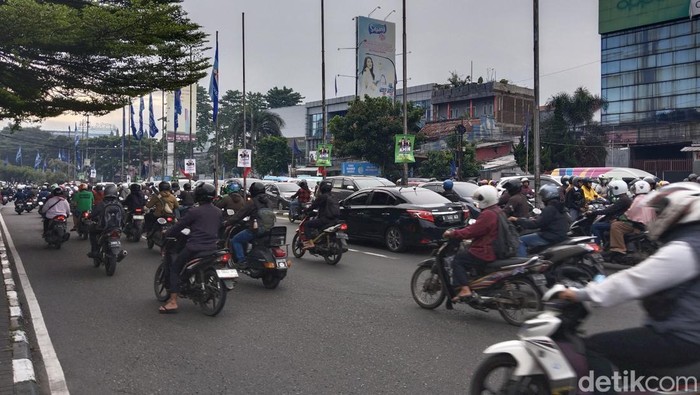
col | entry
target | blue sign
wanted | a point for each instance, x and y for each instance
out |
(359, 169)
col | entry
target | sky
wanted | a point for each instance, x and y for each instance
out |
(495, 37)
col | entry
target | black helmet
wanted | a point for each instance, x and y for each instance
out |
(549, 192)
(204, 193)
(325, 186)
(111, 191)
(135, 187)
(303, 184)
(513, 186)
(187, 187)
(565, 180)
(174, 185)
(163, 186)
(587, 180)
(692, 177)
(576, 180)
(57, 191)
(98, 187)
(651, 180)
(256, 189)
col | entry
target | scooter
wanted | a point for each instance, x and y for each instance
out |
(134, 225)
(156, 236)
(57, 232)
(20, 207)
(330, 243)
(84, 225)
(110, 251)
(549, 358)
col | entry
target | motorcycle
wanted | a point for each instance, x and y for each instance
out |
(156, 236)
(572, 265)
(5, 199)
(549, 357)
(265, 258)
(30, 205)
(512, 286)
(84, 225)
(134, 225)
(57, 232)
(330, 243)
(110, 250)
(20, 207)
(298, 214)
(205, 279)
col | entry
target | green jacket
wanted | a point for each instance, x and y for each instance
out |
(84, 200)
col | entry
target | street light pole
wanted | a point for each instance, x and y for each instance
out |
(536, 113)
(405, 90)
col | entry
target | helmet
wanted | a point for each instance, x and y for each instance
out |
(662, 183)
(325, 186)
(641, 187)
(233, 187)
(134, 187)
(447, 185)
(163, 186)
(303, 184)
(256, 189)
(525, 179)
(484, 182)
(549, 192)
(82, 187)
(111, 191)
(603, 180)
(493, 183)
(98, 187)
(57, 191)
(693, 177)
(565, 180)
(204, 193)
(675, 204)
(175, 185)
(576, 180)
(187, 187)
(651, 181)
(587, 180)
(513, 187)
(485, 196)
(618, 187)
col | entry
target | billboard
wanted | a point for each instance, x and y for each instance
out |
(376, 58)
(187, 117)
(615, 15)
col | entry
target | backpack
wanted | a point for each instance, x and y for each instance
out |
(166, 206)
(112, 216)
(266, 219)
(508, 239)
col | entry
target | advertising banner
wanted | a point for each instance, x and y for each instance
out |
(323, 155)
(359, 169)
(615, 15)
(184, 109)
(376, 58)
(190, 166)
(245, 158)
(403, 149)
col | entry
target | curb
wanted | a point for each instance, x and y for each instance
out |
(22, 366)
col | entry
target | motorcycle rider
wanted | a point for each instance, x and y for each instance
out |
(622, 203)
(652, 182)
(233, 199)
(666, 282)
(55, 205)
(327, 206)
(449, 192)
(21, 196)
(517, 205)
(186, 199)
(99, 193)
(526, 190)
(300, 197)
(553, 223)
(135, 199)
(602, 187)
(111, 197)
(563, 188)
(203, 222)
(638, 216)
(84, 200)
(163, 203)
(588, 192)
(258, 200)
(483, 232)
(574, 200)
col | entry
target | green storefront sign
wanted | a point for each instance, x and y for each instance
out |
(614, 15)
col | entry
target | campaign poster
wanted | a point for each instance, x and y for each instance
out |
(403, 149)
(376, 58)
(323, 155)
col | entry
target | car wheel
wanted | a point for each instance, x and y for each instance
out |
(394, 240)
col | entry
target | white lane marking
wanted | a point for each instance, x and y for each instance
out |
(54, 371)
(372, 254)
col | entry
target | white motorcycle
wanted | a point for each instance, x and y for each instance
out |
(549, 358)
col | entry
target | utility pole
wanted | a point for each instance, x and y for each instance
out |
(536, 113)
(405, 92)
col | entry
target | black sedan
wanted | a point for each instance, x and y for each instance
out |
(400, 216)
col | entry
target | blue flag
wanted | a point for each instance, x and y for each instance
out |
(134, 132)
(37, 160)
(178, 108)
(295, 149)
(18, 157)
(214, 84)
(453, 169)
(153, 128)
(526, 129)
(141, 108)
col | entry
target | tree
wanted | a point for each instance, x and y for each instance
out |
(272, 156)
(367, 130)
(205, 125)
(260, 123)
(91, 56)
(437, 165)
(284, 97)
(456, 80)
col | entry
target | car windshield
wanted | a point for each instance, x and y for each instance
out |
(287, 187)
(363, 183)
(465, 189)
(422, 196)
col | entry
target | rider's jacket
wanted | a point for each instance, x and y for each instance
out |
(204, 222)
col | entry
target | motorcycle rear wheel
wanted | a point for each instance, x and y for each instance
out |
(150, 243)
(214, 294)
(528, 300)
(334, 254)
(160, 284)
(427, 291)
(96, 262)
(494, 364)
(110, 265)
(297, 247)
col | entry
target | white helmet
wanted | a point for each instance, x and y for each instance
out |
(485, 196)
(618, 187)
(675, 204)
(641, 187)
(524, 179)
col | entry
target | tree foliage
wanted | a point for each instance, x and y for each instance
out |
(272, 156)
(90, 56)
(456, 80)
(284, 97)
(367, 130)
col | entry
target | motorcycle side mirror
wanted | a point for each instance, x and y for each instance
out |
(537, 211)
(162, 221)
(471, 221)
(229, 212)
(185, 231)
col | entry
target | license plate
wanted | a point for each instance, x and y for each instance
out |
(227, 273)
(281, 264)
(451, 218)
(115, 243)
(341, 235)
(138, 217)
(539, 279)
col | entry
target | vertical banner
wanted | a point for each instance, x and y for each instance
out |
(376, 58)
(245, 158)
(403, 148)
(187, 107)
(324, 155)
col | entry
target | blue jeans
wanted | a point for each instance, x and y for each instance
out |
(239, 241)
(598, 229)
(293, 207)
(531, 240)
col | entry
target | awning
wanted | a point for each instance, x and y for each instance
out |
(692, 148)
(609, 172)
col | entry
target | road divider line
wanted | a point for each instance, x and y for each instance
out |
(372, 254)
(54, 371)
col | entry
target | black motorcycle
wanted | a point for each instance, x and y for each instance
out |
(156, 236)
(134, 225)
(205, 279)
(20, 206)
(330, 243)
(57, 231)
(110, 251)
(265, 258)
(84, 225)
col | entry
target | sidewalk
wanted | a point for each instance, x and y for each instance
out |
(7, 383)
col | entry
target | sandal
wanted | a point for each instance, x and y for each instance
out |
(165, 310)
(463, 298)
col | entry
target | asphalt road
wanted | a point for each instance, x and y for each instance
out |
(350, 328)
